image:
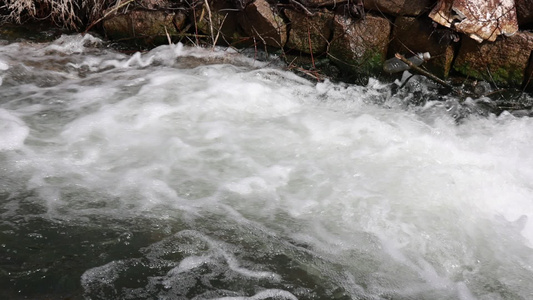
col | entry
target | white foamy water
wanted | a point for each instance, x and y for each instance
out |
(258, 184)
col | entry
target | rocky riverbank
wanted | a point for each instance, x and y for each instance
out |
(344, 39)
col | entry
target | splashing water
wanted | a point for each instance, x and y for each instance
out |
(183, 173)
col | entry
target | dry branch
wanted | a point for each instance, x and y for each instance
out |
(107, 14)
(431, 76)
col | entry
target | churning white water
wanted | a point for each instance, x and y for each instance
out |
(187, 173)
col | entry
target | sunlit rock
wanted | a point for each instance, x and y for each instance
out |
(399, 7)
(360, 46)
(480, 19)
(309, 34)
(262, 22)
(427, 39)
(502, 62)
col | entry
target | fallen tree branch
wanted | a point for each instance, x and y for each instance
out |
(423, 72)
(432, 77)
(301, 6)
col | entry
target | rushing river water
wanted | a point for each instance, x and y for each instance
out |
(187, 173)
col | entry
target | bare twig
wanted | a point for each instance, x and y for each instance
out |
(433, 77)
(168, 36)
(196, 23)
(219, 30)
(423, 72)
(209, 15)
(300, 5)
(107, 14)
(310, 46)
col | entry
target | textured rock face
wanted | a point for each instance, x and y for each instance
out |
(220, 23)
(309, 34)
(155, 4)
(400, 7)
(426, 39)
(524, 11)
(321, 3)
(356, 46)
(148, 25)
(480, 19)
(504, 61)
(360, 46)
(261, 21)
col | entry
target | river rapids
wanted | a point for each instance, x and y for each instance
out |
(189, 173)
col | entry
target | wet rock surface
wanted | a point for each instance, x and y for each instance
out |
(264, 23)
(360, 46)
(438, 43)
(152, 26)
(502, 62)
(399, 7)
(309, 34)
(219, 21)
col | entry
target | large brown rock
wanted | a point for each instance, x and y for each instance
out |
(414, 35)
(400, 7)
(503, 62)
(218, 20)
(262, 22)
(319, 3)
(155, 4)
(524, 11)
(360, 46)
(151, 26)
(480, 19)
(309, 34)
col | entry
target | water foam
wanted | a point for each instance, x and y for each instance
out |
(13, 131)
(261, 165)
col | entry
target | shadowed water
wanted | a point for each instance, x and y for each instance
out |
(186, 173)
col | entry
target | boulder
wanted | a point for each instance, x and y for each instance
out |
(503, 62)
(155, 4)
(324, 3)
(264, 23)
(360, 46)
(399, 7)
(415, 35)
(309, 34)
(221, 23)
(480, 19)
(151, 26)
(524, 11)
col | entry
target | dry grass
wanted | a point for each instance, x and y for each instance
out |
(71, 14)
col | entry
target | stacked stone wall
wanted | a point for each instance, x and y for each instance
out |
(349, 38)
